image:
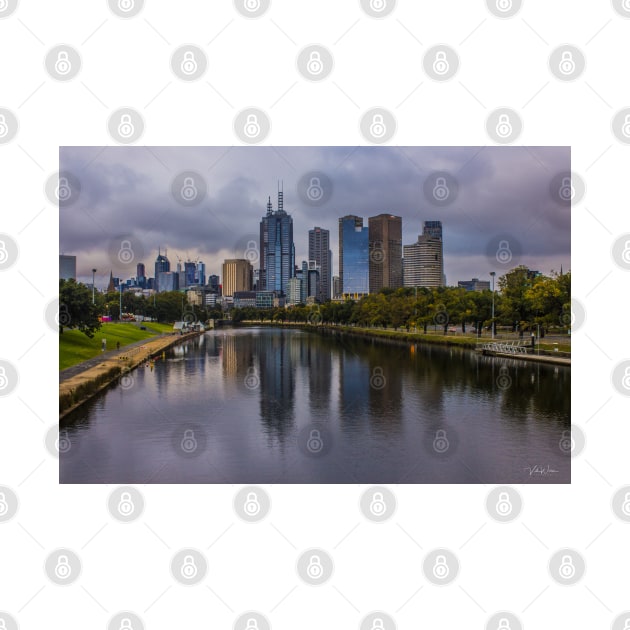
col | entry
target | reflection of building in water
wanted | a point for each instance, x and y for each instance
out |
(237, 357)
(354, 386)
(385, 391)
(277, 383)
(319, 364)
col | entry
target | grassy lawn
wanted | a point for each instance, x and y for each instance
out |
(75, 347)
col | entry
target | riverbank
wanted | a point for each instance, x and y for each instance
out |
(79, 388)
(470, 343)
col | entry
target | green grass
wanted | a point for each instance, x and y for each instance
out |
(75, 347)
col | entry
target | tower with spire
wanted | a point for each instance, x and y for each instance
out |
(277, 250)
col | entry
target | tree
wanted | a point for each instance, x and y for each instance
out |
(76, 309)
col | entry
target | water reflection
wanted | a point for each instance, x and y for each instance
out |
(385, 406)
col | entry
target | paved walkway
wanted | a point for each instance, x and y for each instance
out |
(64, 375)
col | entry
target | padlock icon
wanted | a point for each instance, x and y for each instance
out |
(626, 625)
(440, 441)
(63, 65)
(63, 570)
(567, 444)
(504, 624)
(440, 190)
(378, 5)
(315, 443)
(504, 5)
(125, 624)
(504, 505)
(625, 128)
(126, 506)
(252, 381)
(63, 192)
(63, 441)
(625, 506)
(378, 624)
(504, 126)
(126, 5)
(189, 442)
(626, 253)
(504, 380)
(4, 128)
(314, 64)
(125, 253)
(4, 506)
(189, 64)
(504, 254)
(377, 504)
(314, 570)
(377, 127)
(4, 254)
(252, 127)
(252, 624)
(315, 191)
(251, 253)
(377, 381)
(252, 504)
(3, 625)
(189, 191)
(63, 316)
(440, 568)
(567, 568)
(252, 5)
(567, 63)
(4, 381)
(440, 63)
(566, 192)
(125, 127)
(189, 568)
(3, 7)
(626, 7)
(626, 378)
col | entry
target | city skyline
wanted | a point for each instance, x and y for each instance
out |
(496, 190)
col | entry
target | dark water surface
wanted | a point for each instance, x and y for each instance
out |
(265, 405)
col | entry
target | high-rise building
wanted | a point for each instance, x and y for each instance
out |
(213, 282)
(167, 281)
(162, 264)
(385, 235)
(336, 286)
(67, 267)
(474, 285)
(190, 273)
(141, 276)
(277, 258)
(294, 290)
(200, 277)
(319, 252)
(353, 256)
(424, 259)
(237, 276)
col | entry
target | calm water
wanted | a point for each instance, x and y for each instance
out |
(286, 406)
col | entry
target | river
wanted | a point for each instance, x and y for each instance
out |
(268, 405)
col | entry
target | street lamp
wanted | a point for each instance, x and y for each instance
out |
(493, 273)
(93, 272)
(120, 304)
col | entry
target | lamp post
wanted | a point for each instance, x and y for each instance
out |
(93, 272)
(120, 303)
(493, 273)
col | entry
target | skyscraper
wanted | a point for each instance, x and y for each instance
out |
(141, 276)
(319, 252)
(385, 234)
(161, 264)
(67, 267)
(237, 276)
(424, 259)
(277, 259)
(353, 256)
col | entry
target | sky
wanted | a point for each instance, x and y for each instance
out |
(132, 194)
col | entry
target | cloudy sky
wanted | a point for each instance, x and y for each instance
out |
(133, 194)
